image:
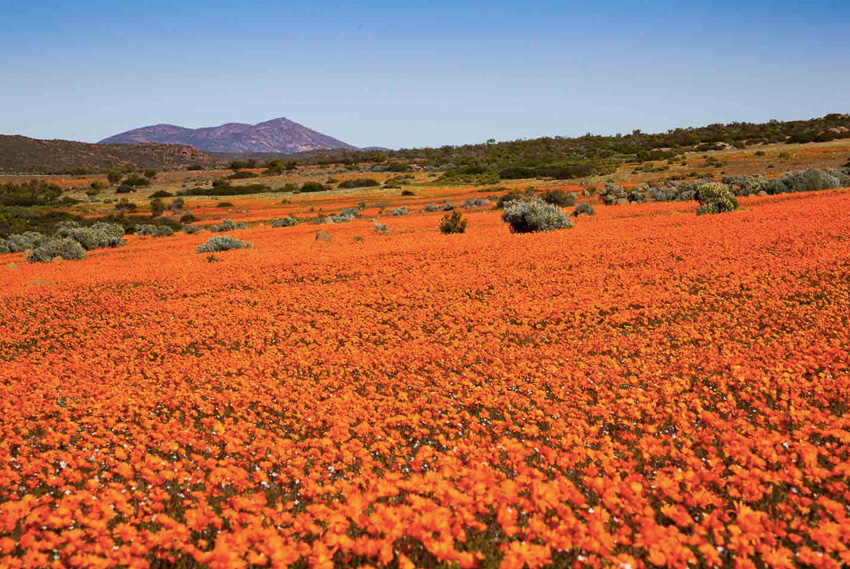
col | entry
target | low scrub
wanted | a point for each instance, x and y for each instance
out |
(227, 225)
(101, 235)
(154, 230)
(453, 223)
(533, 215)
(714, 197)
(359, 183)
(62, 247)
(218, 243)
(284, 222)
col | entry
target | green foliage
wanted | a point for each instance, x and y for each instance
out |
(150, 173)
(32, 193)
(559, 198)
(21, 242)
(161, 194)
(511, 196)
(224, 204)
(284, 222)
(223, 188)
(63, 247)
(114, 176)
(407, 193)
(227, 225)
(534, 215)
(583, 208)
(314, 187)
(453, 223)
(360, 183)
(154, 230)
(157, 207)
(125, 205)
(813, 180)
(242, 175)
(218, 243)
(99, 236)
(714, 197)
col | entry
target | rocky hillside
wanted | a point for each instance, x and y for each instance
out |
(20, 154)
(274, 136)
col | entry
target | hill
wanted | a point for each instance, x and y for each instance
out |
(275, 136)
(565, 157)
(20, 154)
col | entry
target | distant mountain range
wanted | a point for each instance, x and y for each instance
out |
(275, 136)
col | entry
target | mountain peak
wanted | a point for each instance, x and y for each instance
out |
(280, 135)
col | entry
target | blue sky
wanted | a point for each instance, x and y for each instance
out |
(419, 73)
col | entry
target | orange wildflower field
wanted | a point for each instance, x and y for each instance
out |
(650, 388)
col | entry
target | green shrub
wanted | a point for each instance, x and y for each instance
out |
(192, 229)
(161, 194)
(511, 196)
(399, 211)
(813, 180)
(23, 241)
(99, 236)
(408, 193)
(242, 175)
(4, 248)
(154, 230)
(307, 187)
(188, 218)
(714, 197)
(534, 215)
(224, 204)
(64, 247)
(559, 198)
(284, 222)
(359, 183)
(219, 243)
(585, 208)
(453, 223)
(227, 225)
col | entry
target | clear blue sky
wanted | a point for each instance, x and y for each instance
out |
(419, 73)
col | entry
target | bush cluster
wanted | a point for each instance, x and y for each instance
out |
(227, 225)
(219, 243)
(99, 236)
(359, 183)
(284, 222)
(63, 247)
(154, 230)
(583, 208)
(559, 198)
(453, 223)
(532, 215)
(715, 198)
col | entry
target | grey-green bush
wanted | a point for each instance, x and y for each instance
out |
(23, 241)
(154, 230)
(64, 247)
(714, 197)
(219, 243)
(192, 229)
(284, 222)
(98, 236)
(534, 215)
(400, 211)
(585, 208)
(4, 249)
(227, 225)
(813, 180)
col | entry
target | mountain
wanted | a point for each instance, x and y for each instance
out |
(20, 154)
(275, 136)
